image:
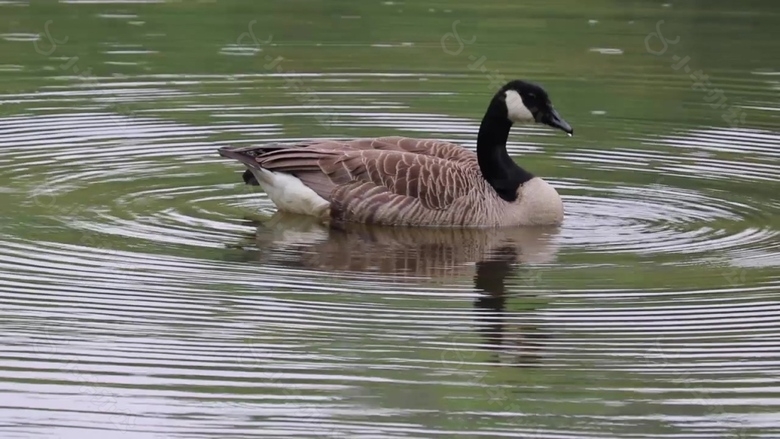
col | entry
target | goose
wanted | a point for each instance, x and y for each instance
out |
(401, 181)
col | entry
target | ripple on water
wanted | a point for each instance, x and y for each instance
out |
(650, 219)
(659, 219)
(159, 295)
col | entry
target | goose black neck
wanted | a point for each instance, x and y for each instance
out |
(500, 171)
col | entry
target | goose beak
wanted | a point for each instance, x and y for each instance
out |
(555, 120)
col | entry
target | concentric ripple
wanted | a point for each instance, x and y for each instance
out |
(92, 153)
(147, 291)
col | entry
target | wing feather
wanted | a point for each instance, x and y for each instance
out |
(428, 147)
(431, 180)
(390, 180)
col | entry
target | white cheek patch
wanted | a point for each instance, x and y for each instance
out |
(516, 109)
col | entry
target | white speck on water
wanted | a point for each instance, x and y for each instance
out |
(121, 63)
(607, 50)
(18, 37)
(129, 52)
(598, 112)
(592, 22)
(392, 45)
(236, 50)
(117, 15)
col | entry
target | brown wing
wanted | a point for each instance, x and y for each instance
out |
(388, 180)
(432, 181)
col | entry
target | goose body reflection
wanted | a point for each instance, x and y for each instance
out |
(500, 263)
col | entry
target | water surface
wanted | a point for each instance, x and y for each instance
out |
(145, 292)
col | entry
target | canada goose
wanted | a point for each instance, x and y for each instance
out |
(415, 182)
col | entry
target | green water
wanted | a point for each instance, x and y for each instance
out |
(145, 292)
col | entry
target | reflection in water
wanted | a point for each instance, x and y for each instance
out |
(492, 257)
(522, 341)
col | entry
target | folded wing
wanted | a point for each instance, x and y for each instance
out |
(375, 185)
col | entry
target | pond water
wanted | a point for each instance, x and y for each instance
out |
(146, 292)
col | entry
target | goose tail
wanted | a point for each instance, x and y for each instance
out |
(248, 156)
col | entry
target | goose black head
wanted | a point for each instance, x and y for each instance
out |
(529, 103)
